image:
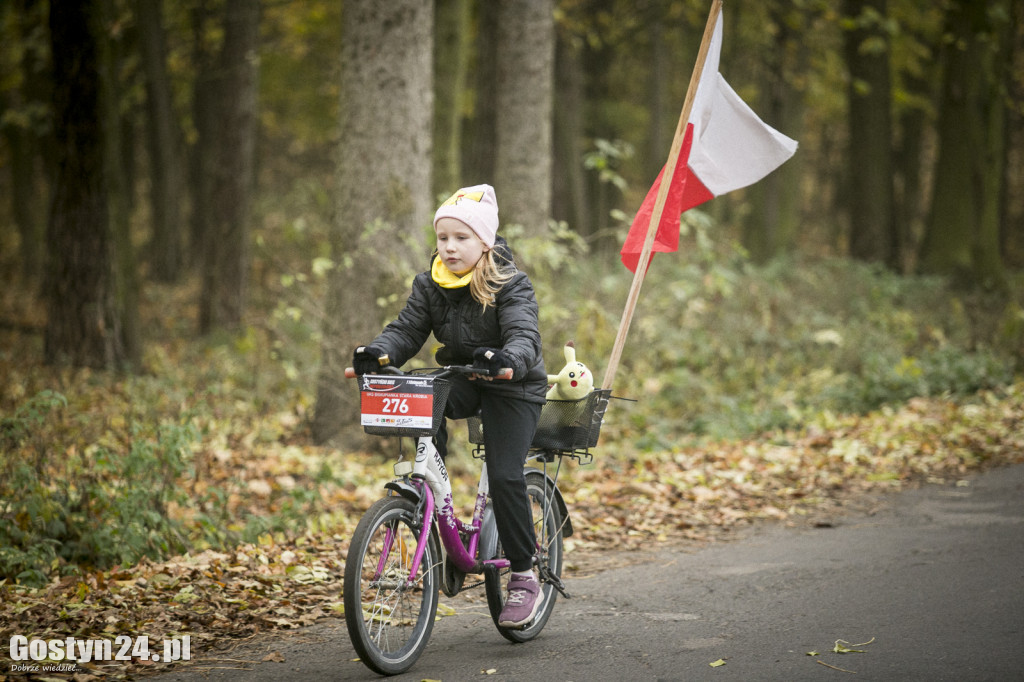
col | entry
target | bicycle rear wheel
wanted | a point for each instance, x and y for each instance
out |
(389, 618)
(547, 524)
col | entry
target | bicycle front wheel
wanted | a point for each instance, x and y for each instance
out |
(547, 525)
(388, 614)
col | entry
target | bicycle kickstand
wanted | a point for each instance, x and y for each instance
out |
(548, 577)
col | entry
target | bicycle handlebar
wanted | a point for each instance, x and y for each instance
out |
(505, 374)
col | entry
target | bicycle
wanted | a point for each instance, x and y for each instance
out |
(410, 544)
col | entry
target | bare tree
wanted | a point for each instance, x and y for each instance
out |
(451, 73)
(962, 233)
(568, 186)
(384, 201)
(25, 125)
(226, 253)
(84, 322)
(202, 151)
(526, 57)
(164, 144)
(478, 152)
(873, 234)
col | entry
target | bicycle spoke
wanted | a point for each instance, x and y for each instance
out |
(389, 615)
(548, 525)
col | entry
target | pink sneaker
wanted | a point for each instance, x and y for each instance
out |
(523, 602)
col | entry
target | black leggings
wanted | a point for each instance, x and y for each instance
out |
(509, 424)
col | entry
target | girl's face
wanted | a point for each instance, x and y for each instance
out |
(458, 246)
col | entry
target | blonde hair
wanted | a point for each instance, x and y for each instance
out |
(488, 279)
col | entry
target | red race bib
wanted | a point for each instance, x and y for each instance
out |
(401, 402)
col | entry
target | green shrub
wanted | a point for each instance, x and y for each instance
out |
(947, 370)
(97, 506)
(722, 348)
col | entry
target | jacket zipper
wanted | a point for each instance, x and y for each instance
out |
(456, 321)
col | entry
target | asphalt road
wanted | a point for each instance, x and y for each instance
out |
(932, 577)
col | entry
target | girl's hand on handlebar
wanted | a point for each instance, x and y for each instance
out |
(490, 362)
(369, 359)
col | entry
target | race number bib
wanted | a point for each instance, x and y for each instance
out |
(401, 402)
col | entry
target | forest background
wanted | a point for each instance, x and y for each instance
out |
(209, 203)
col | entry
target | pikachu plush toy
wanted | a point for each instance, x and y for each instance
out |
(574, 382)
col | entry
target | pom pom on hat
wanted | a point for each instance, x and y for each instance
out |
(475, 206)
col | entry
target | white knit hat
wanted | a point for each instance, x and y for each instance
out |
(475, 206)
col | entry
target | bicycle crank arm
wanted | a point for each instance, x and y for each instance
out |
(547, 576)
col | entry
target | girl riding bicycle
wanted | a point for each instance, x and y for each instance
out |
(483, 309)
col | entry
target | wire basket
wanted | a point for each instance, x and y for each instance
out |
(390, 416)
(565, 425)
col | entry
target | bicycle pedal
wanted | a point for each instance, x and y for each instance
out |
(561, 590)
(556, 583)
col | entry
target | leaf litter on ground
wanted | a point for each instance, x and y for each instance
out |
(697, 492)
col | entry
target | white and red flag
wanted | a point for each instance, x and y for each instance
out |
(725, 147)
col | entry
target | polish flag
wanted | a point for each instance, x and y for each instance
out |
(725, 147)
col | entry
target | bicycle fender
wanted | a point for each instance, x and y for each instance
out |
(559, 500)
(405, 489)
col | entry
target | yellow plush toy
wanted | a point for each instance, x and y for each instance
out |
(574, 382)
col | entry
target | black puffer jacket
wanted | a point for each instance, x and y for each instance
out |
(460, 323)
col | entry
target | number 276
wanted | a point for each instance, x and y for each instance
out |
(396, 406)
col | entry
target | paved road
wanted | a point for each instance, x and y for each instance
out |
(935, 577)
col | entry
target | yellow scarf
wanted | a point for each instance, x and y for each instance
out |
(446, 278)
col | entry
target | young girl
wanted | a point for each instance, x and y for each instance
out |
(483, 309)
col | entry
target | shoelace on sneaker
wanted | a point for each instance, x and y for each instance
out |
(517, 596)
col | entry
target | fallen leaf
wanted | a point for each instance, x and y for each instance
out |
(274, 657)
(846, 647)
(717, 664)
(842, 670)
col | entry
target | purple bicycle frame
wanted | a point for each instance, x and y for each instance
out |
(449, 528)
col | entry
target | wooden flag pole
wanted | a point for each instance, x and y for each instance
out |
(659, 203)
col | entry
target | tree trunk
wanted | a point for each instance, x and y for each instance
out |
(204, 149)
(118, 165)
(771, 228)
(23, 197)
(526, 53)
(597, 60)
(908, 162)
(962, 233)
(568, 190)
(25, 117)
(163, 137)
(384, 201)
(451, 69)
(83, 326)
(662, 125)
(480, 148)
(872, 229)
(986, 257)
(1012, 236)
(226, 261)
